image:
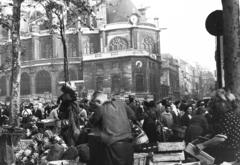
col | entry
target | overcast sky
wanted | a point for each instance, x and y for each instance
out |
(185, 36)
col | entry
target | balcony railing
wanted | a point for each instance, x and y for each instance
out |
(119, 53)
(50, 61)
(127, 25)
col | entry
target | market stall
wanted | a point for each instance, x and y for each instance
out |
(8, 137)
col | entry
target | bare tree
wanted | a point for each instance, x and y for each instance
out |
(67, 13)
(12, 23)
(75, 8)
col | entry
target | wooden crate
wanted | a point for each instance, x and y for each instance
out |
(65, 162)
(163, 163)
(140, 158)
(146, 148)
(168, 157)
(169, 153)
(193, 163)
(171, 146)
(174, 163)
(203, 157)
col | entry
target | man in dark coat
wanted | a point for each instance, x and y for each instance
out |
(112, 120)
(150, 121)
(198, 126)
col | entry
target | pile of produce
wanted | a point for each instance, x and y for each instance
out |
(43, 147)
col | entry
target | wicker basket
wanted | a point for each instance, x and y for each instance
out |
(140, 158)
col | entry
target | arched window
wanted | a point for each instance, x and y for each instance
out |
(25, 84)
(43, 82)
(118, 43)
(148, 44)
(116, 83)
(139, 83)
(3, 86)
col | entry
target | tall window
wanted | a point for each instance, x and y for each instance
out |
(72, 45)
(152, 83)
(87, 48)
(25, 84)
(43, 82)
(46, 47)
(99, 83)
(116, 83)
(3, 86)
(148, 44)
(139, 83)
(72, 75)
(118, 43)
(26, 53)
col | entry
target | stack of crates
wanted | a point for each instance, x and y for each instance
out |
(169, 153)
(140, 158)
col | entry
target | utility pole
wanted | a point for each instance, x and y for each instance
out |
(214, 25)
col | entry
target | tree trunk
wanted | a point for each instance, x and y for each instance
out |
(16, 64)
(230, 45)
(63, 39)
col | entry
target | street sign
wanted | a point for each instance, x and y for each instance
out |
(214, 23)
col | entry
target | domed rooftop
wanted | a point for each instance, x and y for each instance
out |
(119, 10)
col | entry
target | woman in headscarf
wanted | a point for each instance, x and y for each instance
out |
(225, 144)
(69, 114)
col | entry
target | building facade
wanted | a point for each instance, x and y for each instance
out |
(128, 61)
(170, 77)
(195, 81)
(121, 54)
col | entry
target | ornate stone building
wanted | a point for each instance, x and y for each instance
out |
(122, 54)
(170, 77)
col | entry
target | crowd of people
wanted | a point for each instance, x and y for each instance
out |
(111, 123)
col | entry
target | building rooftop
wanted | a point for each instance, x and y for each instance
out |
(119, 10)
